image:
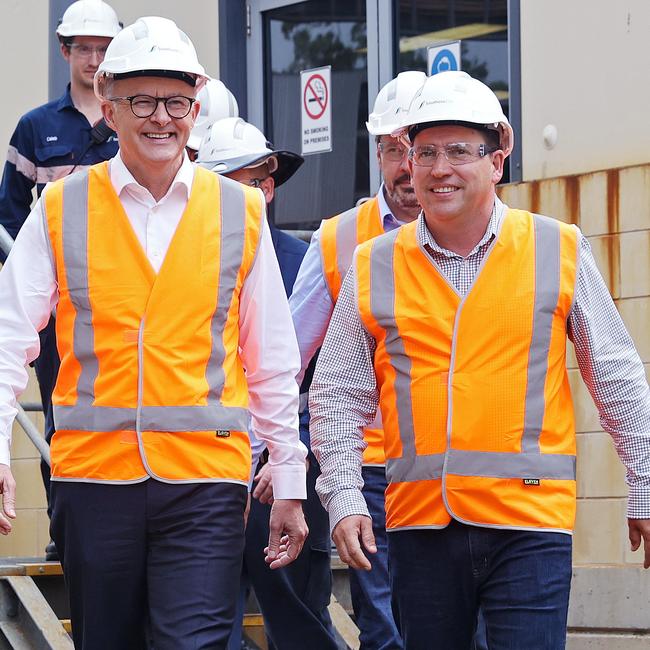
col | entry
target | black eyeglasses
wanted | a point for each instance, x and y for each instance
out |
(143, 106)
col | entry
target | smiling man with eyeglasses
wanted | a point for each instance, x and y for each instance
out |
(456, 327)
(174, 332)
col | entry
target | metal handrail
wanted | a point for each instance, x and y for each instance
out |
(6, 240)
(6, 243)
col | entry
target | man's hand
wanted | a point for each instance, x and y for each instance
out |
(8, 490)
(288, 531)
(346, 536)
(263, 491)
(640, 528)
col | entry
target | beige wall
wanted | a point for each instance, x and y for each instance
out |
(612, 209)
(584, 70)
(23, 51)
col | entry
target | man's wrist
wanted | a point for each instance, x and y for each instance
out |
(344, 504)
(638, 503)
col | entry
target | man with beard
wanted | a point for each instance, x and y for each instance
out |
(315, 293)
(50, 142)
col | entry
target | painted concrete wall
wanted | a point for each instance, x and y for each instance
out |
(584, 68)
(610, 597)
(23, 51)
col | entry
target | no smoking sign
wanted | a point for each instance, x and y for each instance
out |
(315, 96)
(315, 113)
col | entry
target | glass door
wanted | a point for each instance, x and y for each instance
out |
(285, 38)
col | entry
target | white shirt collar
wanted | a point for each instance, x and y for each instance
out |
(121, 178)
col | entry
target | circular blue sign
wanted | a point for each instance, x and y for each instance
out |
(444, 61)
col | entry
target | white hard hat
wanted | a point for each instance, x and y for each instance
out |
(151, 46)
(233, 144)
(89, 18)
(217, 103)
(453, 97)
(392, 100)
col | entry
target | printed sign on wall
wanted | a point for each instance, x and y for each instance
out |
(316, 110)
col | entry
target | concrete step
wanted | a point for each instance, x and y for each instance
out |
(606, 641)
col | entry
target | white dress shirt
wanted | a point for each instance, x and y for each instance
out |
(268, 347)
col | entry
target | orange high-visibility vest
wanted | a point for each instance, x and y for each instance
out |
(339, 236)
(151, 383)
(474, 393)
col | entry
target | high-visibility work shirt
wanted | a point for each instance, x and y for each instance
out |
(45, 146)
(268, 349)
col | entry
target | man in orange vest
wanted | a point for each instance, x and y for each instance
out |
(315, 293)
(455, 326)
(174, 332)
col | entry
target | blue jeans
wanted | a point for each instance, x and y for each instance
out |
(370, 590)
(519, 579)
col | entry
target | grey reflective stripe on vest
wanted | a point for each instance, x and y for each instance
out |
(152, 418)
(233, 221)
(346, 240)
(418, 468)
(530, 463)
(75, 257)
(84, 415)
(547, 292)
(511, 465)
(382, 307)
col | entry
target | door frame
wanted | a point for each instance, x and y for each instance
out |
(380, 29)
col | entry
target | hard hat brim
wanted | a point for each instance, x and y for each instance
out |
(188, 78)
(288, 164)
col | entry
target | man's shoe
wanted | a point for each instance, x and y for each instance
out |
(51, 554)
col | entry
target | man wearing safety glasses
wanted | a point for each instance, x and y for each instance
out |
(456, 327)
(50, 142)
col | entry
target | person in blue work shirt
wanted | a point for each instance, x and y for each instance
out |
(293, 600)
(50, 142)
(312, 303)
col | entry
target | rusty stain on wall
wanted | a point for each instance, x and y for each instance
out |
(534, 196)
(572, 198)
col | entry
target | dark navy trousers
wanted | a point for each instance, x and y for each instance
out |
(150, 564)
(294, 599)
(519, 579)
(370, 590)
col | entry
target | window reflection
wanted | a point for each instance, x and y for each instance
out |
(480, 25)
(310, 35)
